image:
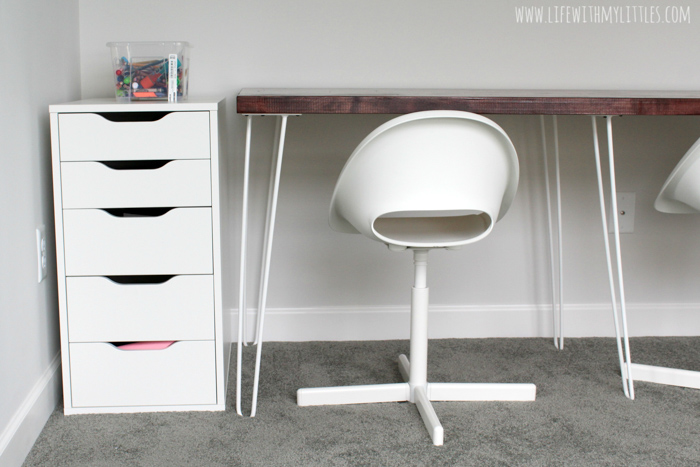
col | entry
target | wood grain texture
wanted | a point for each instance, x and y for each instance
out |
(358, 101)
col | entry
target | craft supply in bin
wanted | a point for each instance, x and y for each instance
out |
(150, 70)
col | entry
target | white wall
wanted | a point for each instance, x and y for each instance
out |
(458, 44)
(40, 63)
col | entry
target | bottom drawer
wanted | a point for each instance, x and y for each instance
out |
(104, 376)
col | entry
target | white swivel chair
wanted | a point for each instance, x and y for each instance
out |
(681, 192)
(436, 179)
(679, 195)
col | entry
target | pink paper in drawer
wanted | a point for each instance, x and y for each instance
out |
(147, 345)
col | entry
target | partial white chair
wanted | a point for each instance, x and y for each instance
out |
(679, 195)
(681, 192)
(436, 179)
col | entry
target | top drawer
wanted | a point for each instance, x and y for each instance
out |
(154, 135)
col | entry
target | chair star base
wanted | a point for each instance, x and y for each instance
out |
(421, 395)
(662, 375)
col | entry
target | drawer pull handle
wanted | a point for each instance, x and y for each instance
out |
(137, 212)
(151, 279)
(147, 345)
(135, 165)
(132, 116)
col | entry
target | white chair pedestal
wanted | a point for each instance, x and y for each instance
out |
(422, 396)
(416, 388)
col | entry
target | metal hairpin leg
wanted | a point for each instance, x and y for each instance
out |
(265, 265)
(273, 182)
(267, 250)
(557, 312)
(242, 307)
(625, 365)
(649, 373)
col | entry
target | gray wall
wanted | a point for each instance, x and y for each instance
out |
(40, 66)
(309, 43)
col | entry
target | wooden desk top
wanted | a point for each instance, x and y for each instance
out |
(523, 102)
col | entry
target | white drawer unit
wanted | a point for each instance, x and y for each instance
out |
(104, 375)
(135, 184)
(98, 242)
(138, 247)
(107, 136)
(133, 308)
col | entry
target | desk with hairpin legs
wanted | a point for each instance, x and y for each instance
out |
(283, 103)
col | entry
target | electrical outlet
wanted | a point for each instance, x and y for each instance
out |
(42, 261)
(625, 213)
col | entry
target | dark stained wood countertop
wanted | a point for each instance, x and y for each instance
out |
(516, 102)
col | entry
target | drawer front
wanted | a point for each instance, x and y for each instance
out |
(101, 310)
(96, 243)
(92, 137)
(183, 374)
(96, 185)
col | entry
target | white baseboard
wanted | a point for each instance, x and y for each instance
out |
(383, 323)
(24, 428)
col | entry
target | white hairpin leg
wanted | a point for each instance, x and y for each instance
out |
(648, 373)
(242, 307)
(560, 234)
(557, 311)
(622, 342)
(273, 182)
(270, 230)
(618, 253)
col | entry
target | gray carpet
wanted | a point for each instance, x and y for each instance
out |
(580, 417)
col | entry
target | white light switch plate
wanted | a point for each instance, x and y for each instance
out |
(625, 213)
(41, 252)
